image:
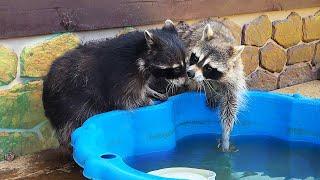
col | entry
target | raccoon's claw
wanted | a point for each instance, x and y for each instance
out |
(159, 97)
(231, 148)
(162, 97)
(219, 143)
(150, 102)
(156, 95)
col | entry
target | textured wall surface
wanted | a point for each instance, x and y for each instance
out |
(279, 53)
(288, 54)
(23, 127)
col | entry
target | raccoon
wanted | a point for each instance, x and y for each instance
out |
(109, 75)
(214, 64)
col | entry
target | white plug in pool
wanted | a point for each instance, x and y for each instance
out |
(185, 173)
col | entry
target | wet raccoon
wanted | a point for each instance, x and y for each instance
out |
(112, 74)
(214, 64)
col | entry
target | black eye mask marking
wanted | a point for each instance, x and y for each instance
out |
(193, 59)
(169, 73)
(211, 73)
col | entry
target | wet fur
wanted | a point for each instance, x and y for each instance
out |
(227, 92)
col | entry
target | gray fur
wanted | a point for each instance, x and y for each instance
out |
(221, 50)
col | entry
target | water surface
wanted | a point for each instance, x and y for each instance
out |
(258, 157)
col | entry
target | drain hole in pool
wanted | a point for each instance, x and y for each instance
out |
(108, 156)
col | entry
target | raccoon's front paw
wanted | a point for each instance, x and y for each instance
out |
(150, 102)
(162, 97)
(158, 97)
(226, 147)
(212, 102)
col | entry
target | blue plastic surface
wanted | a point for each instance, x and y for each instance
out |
(103, 141)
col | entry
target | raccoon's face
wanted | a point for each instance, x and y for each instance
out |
(166, 55)
(207, 63)
(210, 61)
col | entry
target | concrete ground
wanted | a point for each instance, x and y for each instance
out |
(309, 89)
(46, 165)
(54, 165)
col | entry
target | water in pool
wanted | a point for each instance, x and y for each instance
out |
(258, 158)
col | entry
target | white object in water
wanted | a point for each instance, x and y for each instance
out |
(185, 173)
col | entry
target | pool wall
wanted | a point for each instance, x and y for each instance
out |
(104, 140)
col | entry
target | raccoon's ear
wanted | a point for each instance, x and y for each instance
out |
(149, 38)
(238, 50)
(207, 33)
(235, 51)
(169, 26)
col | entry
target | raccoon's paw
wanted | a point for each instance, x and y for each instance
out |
(149, 102)
(158, 97)
(212, 102)
(162, 97)
(230, 148)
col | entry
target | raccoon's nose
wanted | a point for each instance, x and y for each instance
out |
(191, 74)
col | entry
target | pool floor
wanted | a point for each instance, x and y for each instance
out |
(258, 157)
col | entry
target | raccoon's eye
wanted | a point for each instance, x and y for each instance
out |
(211, 73)
(177, 69)
(208, 68)
(193, 59)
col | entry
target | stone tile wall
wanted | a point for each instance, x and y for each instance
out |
(23, 127)
(283, 52)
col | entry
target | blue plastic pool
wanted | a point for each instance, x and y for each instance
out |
(105, 140)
